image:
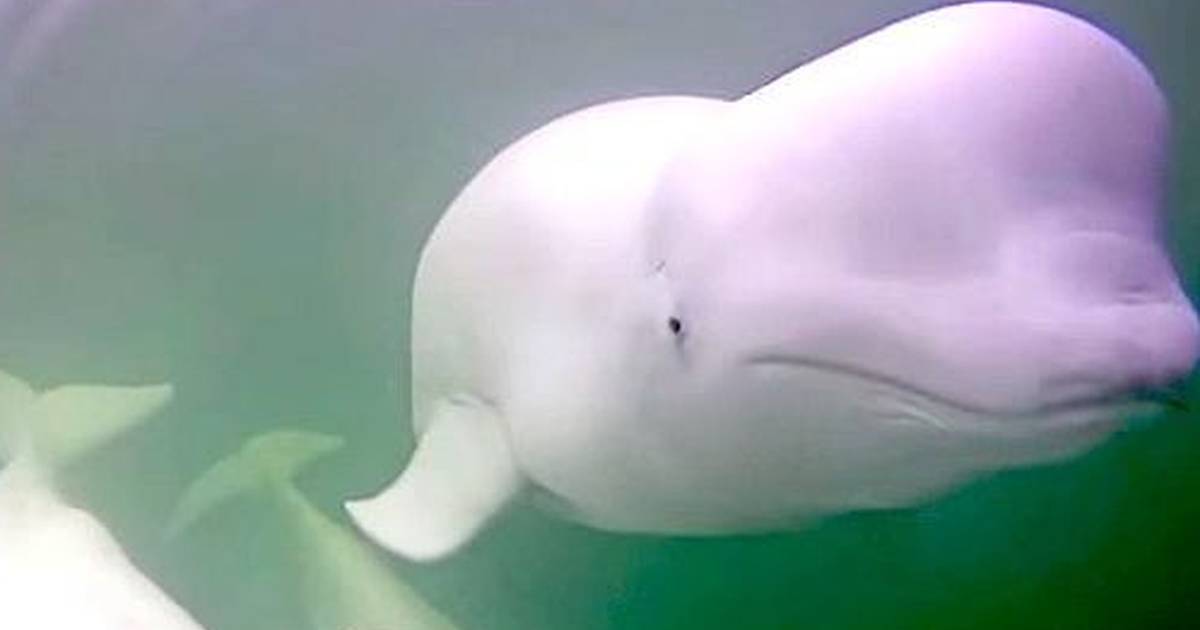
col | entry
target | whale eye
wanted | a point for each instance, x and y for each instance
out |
(675, 326)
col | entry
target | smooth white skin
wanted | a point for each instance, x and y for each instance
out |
(931, 254)
(60, 568)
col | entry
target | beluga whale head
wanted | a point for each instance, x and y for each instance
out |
(931, 254)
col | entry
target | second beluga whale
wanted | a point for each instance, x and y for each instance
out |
(344, 583)
(931, 254)
(60, 567)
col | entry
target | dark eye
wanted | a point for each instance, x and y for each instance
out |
(675, 325)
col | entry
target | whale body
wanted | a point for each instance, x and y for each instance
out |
(60, 567)
(932, 254)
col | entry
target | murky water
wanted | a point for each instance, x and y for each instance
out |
(230, 196)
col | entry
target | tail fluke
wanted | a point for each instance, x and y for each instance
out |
(272, 457)
(72, 420)
(16, 396)
(60, 424)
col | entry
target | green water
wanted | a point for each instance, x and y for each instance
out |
(233, 200)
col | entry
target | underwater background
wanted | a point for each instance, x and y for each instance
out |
(231, 195)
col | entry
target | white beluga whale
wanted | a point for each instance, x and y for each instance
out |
(929, 255)
(60, 568)
(345, 584)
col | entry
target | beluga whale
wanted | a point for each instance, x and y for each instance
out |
(60, 567)
(932, 254)
(344, 582)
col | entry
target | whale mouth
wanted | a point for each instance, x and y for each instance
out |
(1133, 400)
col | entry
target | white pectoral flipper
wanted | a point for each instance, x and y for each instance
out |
(461, 474)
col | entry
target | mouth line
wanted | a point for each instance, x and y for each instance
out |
(1156, 398)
